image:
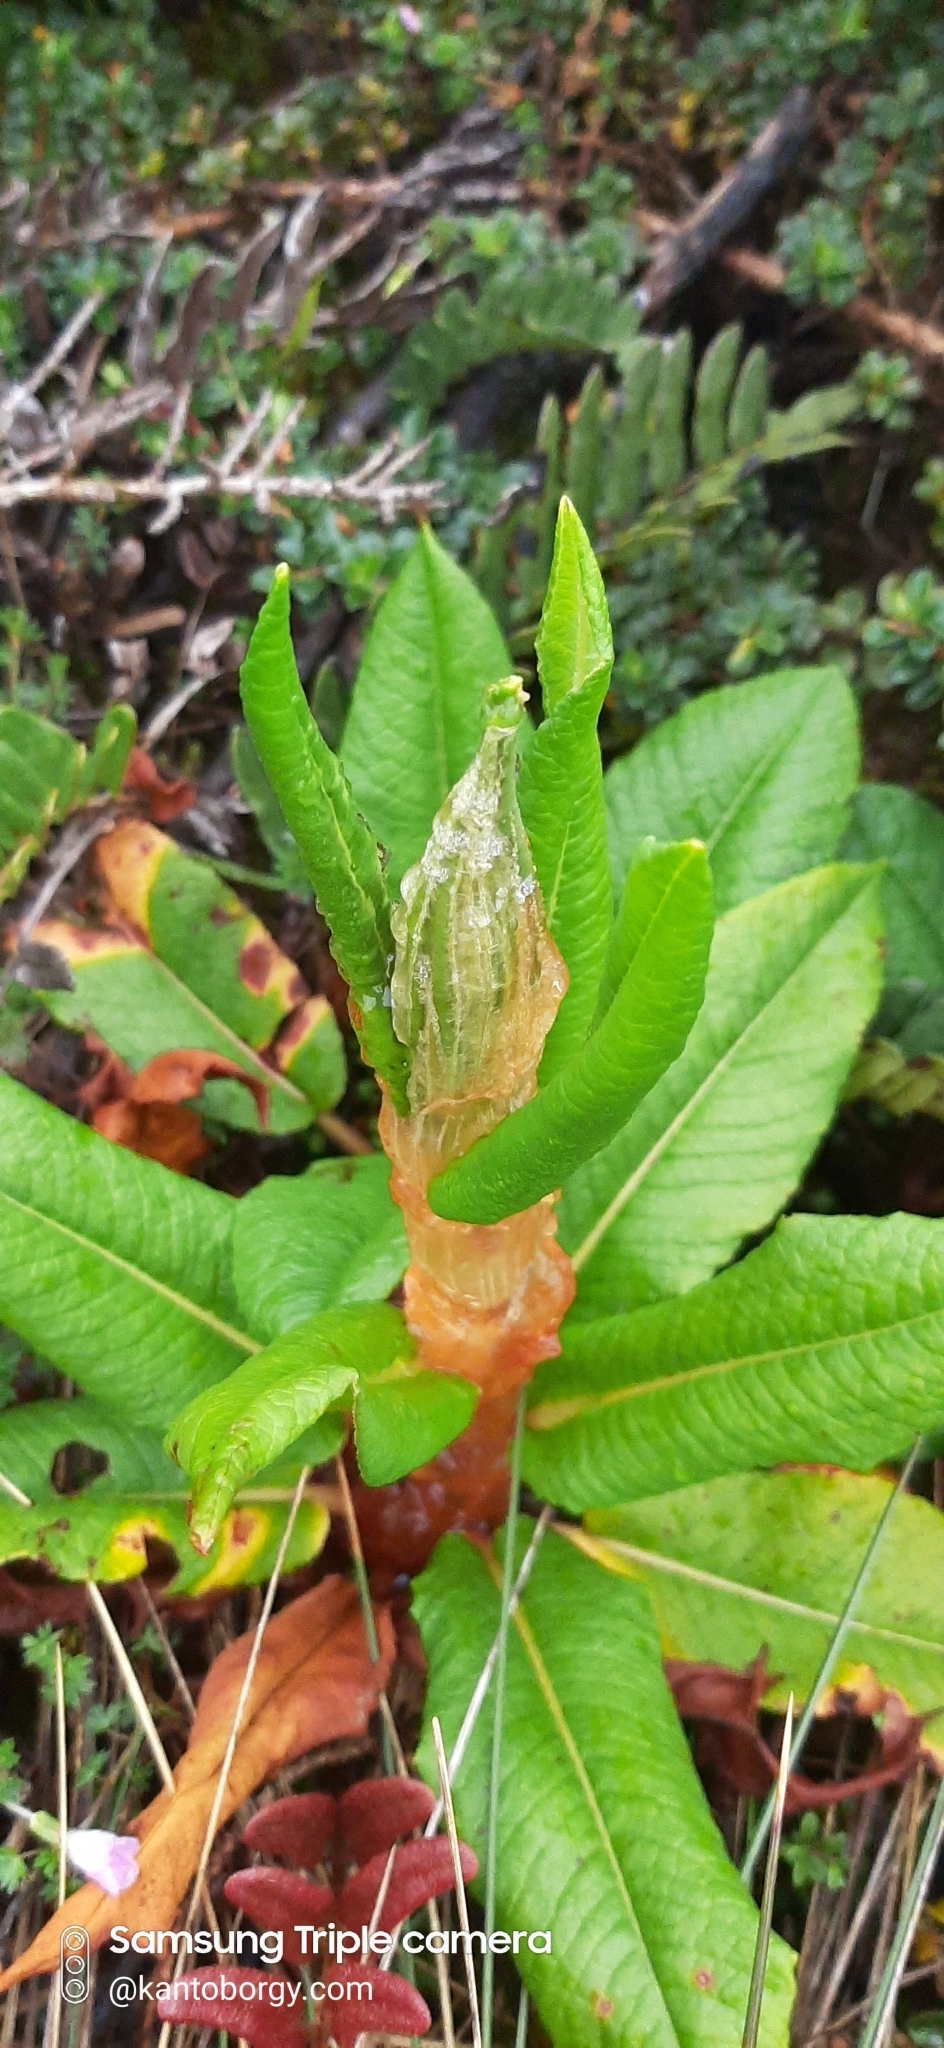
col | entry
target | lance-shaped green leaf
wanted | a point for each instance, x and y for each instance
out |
(416, 712)
(112, 741)
(824, 1346)
(40, 768)
(111, 1267)
(894, 825)
(667, 933)
(101, 1531)
(767, 1560)
(321, 1239)
(560, 791)
(762, 773)
(404, 1416)
(231, 1432)
(339, 853)
(604, 1835)
(722, 1140)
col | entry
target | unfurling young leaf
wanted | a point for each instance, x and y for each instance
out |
(561, 786)
(665, 935)
(340, 856)
(467, 963)
(225, 1436)
(416, 712)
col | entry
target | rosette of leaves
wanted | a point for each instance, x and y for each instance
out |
(689, 1077)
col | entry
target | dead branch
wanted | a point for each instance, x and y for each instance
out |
(684, 250)
(919, 337)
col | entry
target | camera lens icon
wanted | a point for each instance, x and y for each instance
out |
(75, 1958)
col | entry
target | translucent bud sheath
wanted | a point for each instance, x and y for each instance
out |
(476, 986)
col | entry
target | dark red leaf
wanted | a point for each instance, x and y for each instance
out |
(393, 2007)
(265, 2016)
(421, 1870)
(279, 1899)
(378, 1811)
(299, 1830)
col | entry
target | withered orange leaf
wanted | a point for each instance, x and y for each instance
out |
(163, 800)
(314, 1682)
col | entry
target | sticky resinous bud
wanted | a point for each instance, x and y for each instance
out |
(477, 980)
(477, 983)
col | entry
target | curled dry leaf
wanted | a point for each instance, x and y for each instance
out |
(163, 800)
(145, 1112)
(314, 1683)
(726, 1706)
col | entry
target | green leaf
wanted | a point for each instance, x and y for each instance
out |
(824, 1346)
(894, 825)
(668, 440)
(141, 1008)
(112, 741)
(102, 1530)
(767, 1559)
(604, 1833)
(288, 868)
(416, 714)
(666, 937)
(323, 1239)
(39, 770)
(231, 1432)
(560, 791)
(713, 387)
(723, 1138)
(763, 773)
(111, 1267)
(624, 482)
(585, 446)
(747, 419)
(403, 1417)
(340, 856)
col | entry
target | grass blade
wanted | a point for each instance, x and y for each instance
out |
(890, 1980)
(830, 1660)
(491, 1854)
(756, 1996)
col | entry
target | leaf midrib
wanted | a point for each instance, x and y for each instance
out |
(634, 1181)
(137, 1273)
(782, 739)
(568, 1742)
(590, 1404)
(244, 1055)
(657, 1560)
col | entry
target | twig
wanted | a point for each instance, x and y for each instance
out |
(386, 496)
(132, 1687)
(343, 1135)
(168, 1649)
(199, 1882)
(919, 337)
(685, 250)
(61, 347)
(911, 1911)
(461, 1900)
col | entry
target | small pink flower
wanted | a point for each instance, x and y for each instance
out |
(109, 1860)
(410, 20)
